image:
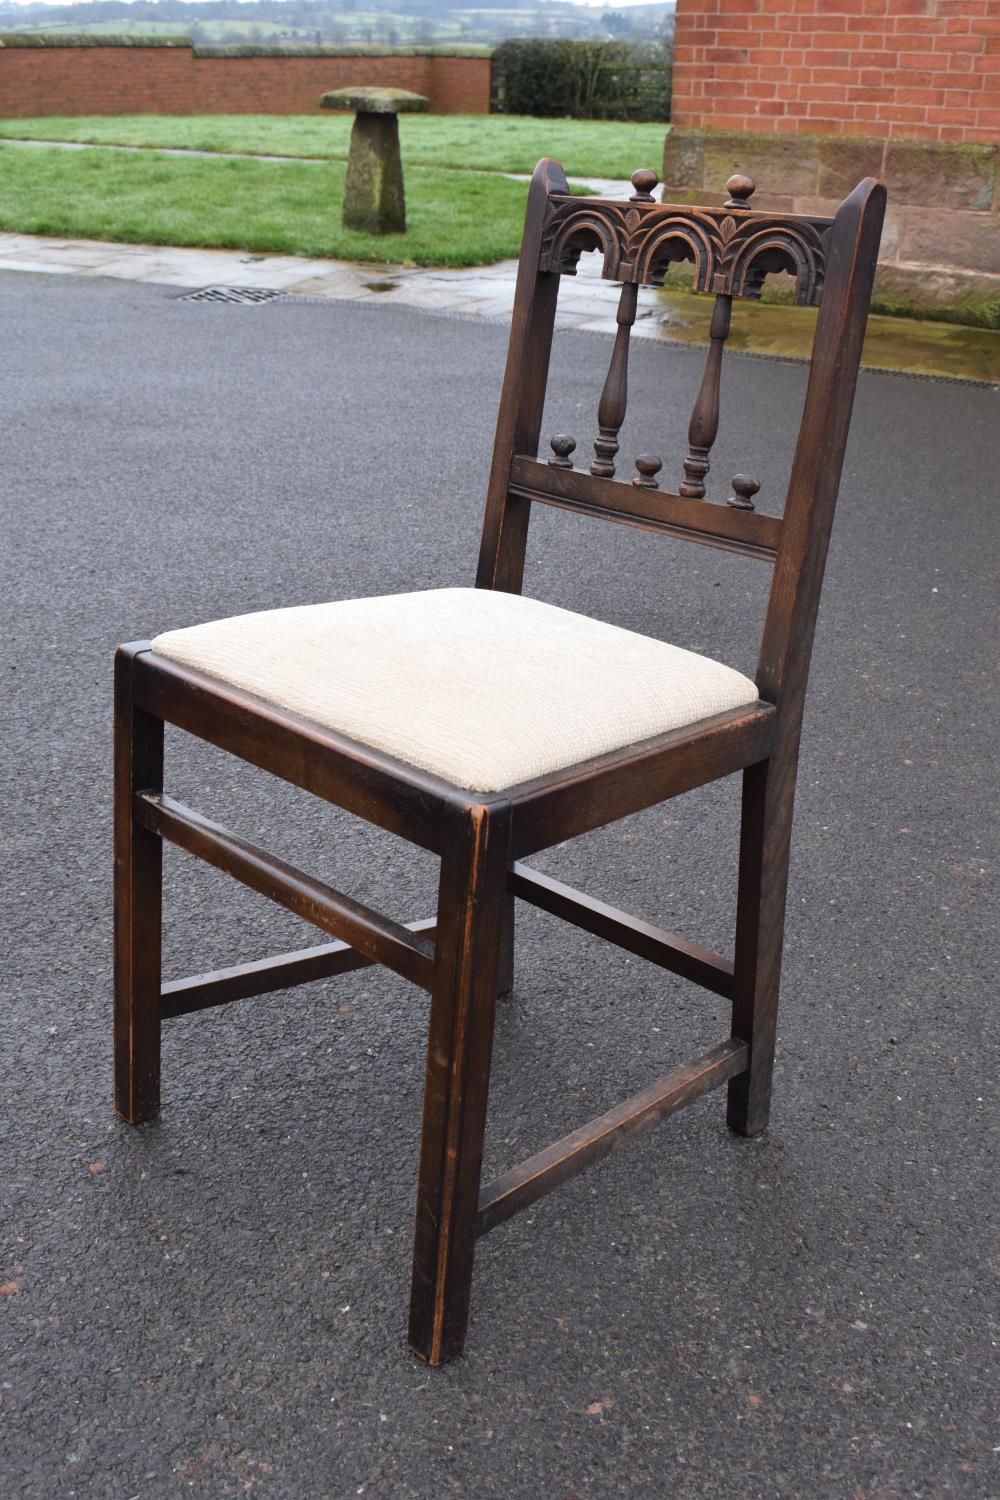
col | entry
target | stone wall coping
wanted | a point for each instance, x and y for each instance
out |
(89, 39)
(264, 49)
(236, 49)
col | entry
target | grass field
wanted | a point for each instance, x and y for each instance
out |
(357, 26)
(353, 27)
(487, 143)
(453, 219)
(100, 28)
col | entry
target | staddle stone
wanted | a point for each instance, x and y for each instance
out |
(374, 201)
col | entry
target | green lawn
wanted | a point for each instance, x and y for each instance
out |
(488, 143)
(453, 218)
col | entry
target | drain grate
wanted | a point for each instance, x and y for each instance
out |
(249, 295)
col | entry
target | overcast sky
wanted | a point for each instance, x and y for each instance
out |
(601, 4)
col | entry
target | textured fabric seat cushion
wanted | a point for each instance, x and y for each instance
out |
(484, 689)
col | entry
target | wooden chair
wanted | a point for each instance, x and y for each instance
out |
(401, 745)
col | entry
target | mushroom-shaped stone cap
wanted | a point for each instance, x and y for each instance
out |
(367, 100)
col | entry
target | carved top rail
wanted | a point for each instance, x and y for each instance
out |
(733, 248)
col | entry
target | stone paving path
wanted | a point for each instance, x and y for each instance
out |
(608, 187)
(159, 150)
(585, 301)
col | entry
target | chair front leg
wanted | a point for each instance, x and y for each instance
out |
(471, 915)
(765, 837)
(138, 904)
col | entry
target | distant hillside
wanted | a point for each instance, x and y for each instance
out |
(387, 22)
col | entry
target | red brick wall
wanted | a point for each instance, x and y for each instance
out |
(466, 89)
(173, 81)
(927, 69)
(293, 85)
(95, 81)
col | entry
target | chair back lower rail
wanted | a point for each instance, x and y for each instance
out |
(745, 532)
(376, 936)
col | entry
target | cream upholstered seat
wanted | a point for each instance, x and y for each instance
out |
(482, 688)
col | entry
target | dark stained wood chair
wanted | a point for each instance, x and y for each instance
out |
(260, 687)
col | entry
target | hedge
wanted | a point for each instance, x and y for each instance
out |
(583, 80)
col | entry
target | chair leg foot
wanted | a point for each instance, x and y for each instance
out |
(459, 1049)
(138, 901)
(747, 1114)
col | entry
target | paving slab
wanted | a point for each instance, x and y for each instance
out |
(41, 267)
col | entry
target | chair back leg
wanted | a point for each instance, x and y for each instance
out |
(138, 904)
(505, 977)
(472, 924)
(765, 840)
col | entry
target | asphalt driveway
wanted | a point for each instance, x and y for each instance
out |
(214, 1305)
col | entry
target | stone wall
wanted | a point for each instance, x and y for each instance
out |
(109, 79)
(941, 245)
(809, 96)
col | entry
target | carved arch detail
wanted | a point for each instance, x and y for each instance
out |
(603, 230)
(653, 252)
(732, 254)
(773, 248)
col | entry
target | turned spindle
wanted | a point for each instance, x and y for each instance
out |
(562, 446)
(614, 396)
(704, 426)
(744, 489)
(649, 465)
(644, 181)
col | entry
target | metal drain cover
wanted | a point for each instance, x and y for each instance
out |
(246, 294)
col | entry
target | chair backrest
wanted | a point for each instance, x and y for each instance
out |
(733, 249)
